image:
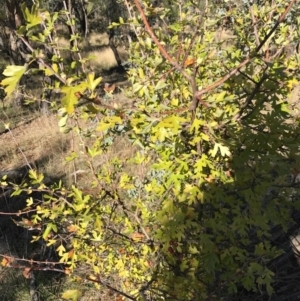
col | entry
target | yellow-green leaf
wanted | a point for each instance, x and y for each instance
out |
(13, 75)
(73, 295)
(160, 85)
(71, 99)
(92, 82)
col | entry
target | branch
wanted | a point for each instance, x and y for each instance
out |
(71, 26)
(156, 41)
(18, 213)
(98, 280)
(173, 62)
(280, 19)
(197, 95)
(254, 109)
(251, 96)
(41, 61)
(247, 60)
(30, 261)
(254, 25)
(193, 39)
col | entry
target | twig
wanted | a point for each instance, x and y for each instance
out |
(41, 61)
(173, 62)
(18, 213)
(68, 8)
(193, 39)
(10, 263)
(31, 261)
(280, 19)
(254, 25)
(251, 96)
(73, 161)
(98, 280)
(132, 26)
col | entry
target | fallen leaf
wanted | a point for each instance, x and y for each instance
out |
(137, 236)
(6, 261)
(189, 61)
(27, 272)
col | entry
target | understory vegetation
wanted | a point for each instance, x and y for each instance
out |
(156, 161)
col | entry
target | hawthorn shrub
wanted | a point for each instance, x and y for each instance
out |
(189, 213)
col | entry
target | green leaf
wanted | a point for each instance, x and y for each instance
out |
(35, 177)
(13, 74)
(89, 7)
(141, 73)
(109, 122)
(71, 157)
(61, 250)
(47, 231)
(33, 17)
(93, 83)
(220, 97)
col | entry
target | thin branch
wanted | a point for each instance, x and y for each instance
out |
(30, 261)
(254, 25)
(98, 280)
(252, 95)
(193, 39)
(18, 213)
(222, 80)
(68, 8)
(10, 264)
(156, 41)
(254, 109)
(42, 62)
(280, 19)
(173, 62)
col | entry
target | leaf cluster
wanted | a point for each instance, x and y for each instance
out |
(189, 215)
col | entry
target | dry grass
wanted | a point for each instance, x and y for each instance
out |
(98, 39)
(96, 49)
(41, 145)
(295, 102)
(14, 287)
(38, 142)
(103, 58)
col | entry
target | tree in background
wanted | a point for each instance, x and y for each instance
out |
(190, 213)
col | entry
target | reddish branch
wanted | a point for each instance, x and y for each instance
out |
(173, 62)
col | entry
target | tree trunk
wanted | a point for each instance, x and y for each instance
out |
(14, 13)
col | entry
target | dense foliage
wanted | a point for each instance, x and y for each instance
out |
(188, 214)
